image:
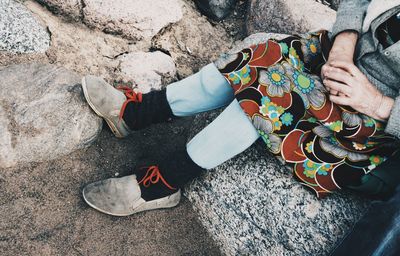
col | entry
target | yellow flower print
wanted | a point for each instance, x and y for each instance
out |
(309, 147)
(336, 126)
(359, 146)
(245, 75)
(276, 123)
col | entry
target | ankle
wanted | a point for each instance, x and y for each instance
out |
(153, 184)
(153, 108)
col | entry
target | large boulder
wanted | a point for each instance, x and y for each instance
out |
(146, 70)
(216, 9)
(135, 19)
(288, 16)
(252, 205)
(20, 32)
(43, 114)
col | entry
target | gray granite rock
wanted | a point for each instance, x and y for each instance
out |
(20, 32)
(256, 38)
(135, 19)
(43, 114)
(252, 205)
(216, 9)
(288, 16)
(146, 70)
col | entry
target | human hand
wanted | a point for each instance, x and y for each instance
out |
(334, 57)
(342, 50)
(355, 90)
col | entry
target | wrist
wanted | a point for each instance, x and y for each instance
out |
(384, 108)
(345, 43)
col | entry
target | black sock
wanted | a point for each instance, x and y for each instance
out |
(154, 108)
(177, 169)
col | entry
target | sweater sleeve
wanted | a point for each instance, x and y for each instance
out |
(393, 124)
(350, 16)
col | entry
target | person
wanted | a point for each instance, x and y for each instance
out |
(325, 103)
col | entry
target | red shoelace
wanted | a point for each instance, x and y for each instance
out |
(131, 96)
(153, 176)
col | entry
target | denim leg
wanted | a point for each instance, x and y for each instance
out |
(228, 135)
(206, 90)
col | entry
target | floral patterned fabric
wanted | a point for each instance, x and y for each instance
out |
(277, 84)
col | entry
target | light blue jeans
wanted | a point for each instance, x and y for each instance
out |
(229, 134)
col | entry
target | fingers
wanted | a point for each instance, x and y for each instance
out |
(324, 69)
(334, 86)
(333, 92)
(349, 67)
(339, 75)
(340, 100)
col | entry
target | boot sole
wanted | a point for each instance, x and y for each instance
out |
(141, 205)
(110, 123)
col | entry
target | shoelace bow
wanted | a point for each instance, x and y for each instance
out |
(131, 96)
(153, 176)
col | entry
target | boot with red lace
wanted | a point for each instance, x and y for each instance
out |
(123, 109)
(150, 187)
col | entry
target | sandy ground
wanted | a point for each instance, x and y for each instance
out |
(42, 211)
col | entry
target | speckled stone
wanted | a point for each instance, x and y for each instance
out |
(252, 205)
(288, 16)
(20, 32)
(147, 70)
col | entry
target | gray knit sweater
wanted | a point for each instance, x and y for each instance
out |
(381, 66)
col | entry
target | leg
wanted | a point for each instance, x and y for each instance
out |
(228, 135)
(159, 186)
(203, 91)
(125, 110)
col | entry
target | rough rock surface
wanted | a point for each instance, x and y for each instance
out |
(334, 4)
(288, 16)
(20, 32)
(216, 9)
(147, 70)
(256, 38)
(85, 51)
(192, 42)
(252, 205)
(43, 114)
(135, 19)
(68, 8)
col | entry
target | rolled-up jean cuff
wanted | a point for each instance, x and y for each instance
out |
(206, 90)
(229, 134)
